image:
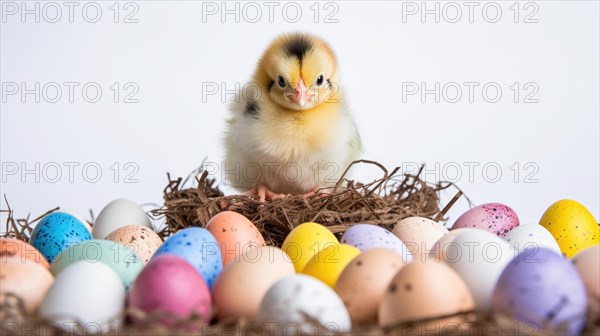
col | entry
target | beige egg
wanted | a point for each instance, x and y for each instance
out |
(364, 281)
(587, 263)
(424, 291)
(25, 279)
(419, 234)
(139, 239)
(240, 288)
(442, 244)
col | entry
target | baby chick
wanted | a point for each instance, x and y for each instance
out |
(290, 132)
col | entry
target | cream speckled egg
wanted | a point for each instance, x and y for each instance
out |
(419, 234)
(139, 239)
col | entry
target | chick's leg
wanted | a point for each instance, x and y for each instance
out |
(263, 192)
(315, 191)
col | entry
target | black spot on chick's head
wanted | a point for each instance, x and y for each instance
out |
(297, 46)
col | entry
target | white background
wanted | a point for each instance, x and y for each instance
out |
(176, 48)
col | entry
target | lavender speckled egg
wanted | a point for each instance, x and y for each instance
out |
(543, 288)
(198, 247)
(367, 236)
(57, 231)
(496, 218)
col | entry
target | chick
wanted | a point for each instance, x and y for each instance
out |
(290, 132)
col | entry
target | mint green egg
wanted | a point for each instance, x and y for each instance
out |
(123, 261)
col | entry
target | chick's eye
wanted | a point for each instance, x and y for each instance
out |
(281, 81)
(320, 80)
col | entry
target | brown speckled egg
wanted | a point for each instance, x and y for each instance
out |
(424, 291)
(235, 234)
(419, 234)
(25, 279)
(140, 239)
(17, 248)
(364, 281)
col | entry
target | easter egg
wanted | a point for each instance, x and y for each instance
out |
(57, 231)
(530, 236)
(139, 239)
(364, 281)
(417, 292)
(367, 236)
(242, 285)
(118, 213)
(303, 305)
(419, 234)
(170, 285)
(198, 247)
(234, 233)
(306, 240)
(587, 263)
(124, 262)
(542, 288)
(25, 279)
(328, 264)
(84, 295)
(496, 218)
(572, 225)
(19, 249)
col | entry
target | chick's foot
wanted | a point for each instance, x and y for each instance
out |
(263, 192)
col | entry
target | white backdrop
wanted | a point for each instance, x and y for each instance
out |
(525, 145)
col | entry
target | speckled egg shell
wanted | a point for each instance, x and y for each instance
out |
(531, 236)
(543, 288)
(368, 236)
(496, 218)
(364, 281)
(301, 301)
(587, 263)
(57, 231)
(25, 279)
(140, 239)
(19, 249)
(235, 233)
(198, 247)
(419, 234)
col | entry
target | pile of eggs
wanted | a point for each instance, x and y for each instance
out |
(545, 275)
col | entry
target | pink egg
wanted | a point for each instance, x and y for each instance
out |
(172, 286)
(496, 218)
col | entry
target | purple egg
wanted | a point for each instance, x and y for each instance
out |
(543, 288)
(368, 236)
(496, 218)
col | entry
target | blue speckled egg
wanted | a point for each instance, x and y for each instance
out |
(368, 236)
(57, 231)
(542, 288)
(198, 247)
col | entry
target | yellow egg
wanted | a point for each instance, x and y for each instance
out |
(572, 225)
(305, 241)
(328, 264)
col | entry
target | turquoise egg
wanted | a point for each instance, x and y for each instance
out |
(123, 261)
(57, 231)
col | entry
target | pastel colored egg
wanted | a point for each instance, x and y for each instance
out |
(171, 286)
(587, 263)
(242, 285)
(302, 304)
(367, 236)
(118, 213)
(306, 240)
(364, 281)
(57, 231)
(124, 262)
(19, 249)
(531, 236)
(139, 239)
(542, 288)
(419, 234)
(572, 225)
(328, 264)
(198, 247)
(25, 279)
(496, 218)
(235, 234)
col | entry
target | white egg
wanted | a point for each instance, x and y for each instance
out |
(301, 304)
(531, 236)
(85, 294)
(118, 213)
(479, 257)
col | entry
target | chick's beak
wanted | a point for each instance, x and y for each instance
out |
(301, 94)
